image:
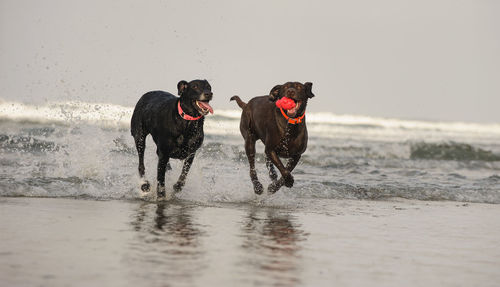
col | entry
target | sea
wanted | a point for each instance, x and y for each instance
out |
(84, 150)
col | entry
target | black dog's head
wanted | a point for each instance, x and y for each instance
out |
(296, 91)
(198, 92)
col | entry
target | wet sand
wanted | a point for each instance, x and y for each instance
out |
(69, 242)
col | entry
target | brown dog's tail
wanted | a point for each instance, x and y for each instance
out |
(241, 103)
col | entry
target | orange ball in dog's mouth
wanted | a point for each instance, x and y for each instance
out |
(285, 103)
(289, 105)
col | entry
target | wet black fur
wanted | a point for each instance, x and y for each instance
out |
(156, 113)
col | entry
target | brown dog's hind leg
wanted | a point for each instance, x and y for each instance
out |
(250, 150)
(185, 169)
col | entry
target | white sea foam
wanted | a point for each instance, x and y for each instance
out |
(67, 112)
(226, 122)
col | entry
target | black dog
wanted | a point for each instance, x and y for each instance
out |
(283, 133)
(176, 125)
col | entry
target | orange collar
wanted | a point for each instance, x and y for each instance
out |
(290, 120)
(184, 115)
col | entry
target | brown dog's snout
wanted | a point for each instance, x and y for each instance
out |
(290, 92)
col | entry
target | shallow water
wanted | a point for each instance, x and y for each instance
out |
(61, 242)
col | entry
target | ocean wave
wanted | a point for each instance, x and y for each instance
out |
(389, 123)
(451, 151)
(226, 122)
(67, 113)
(426, 192)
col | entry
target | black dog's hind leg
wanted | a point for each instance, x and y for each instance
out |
(163, 165)
(185, 169)
(272, 172)
(140, 144)
(284, 180)
(250, 150)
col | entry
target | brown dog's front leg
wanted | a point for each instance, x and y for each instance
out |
(185, 169)
(286, 177)
(276, 185)
(292, 162)
(272, 173)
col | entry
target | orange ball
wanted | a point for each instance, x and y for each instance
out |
(285, 103)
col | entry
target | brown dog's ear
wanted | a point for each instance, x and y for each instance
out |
(181, 87)
(309, 92)
(274, 93)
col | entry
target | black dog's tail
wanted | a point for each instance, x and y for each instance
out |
(241, 103)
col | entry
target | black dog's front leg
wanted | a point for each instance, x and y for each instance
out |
(286, 176)
(163, 165)
(185, 169)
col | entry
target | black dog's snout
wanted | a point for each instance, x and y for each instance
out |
(207, 95)
(290, 92)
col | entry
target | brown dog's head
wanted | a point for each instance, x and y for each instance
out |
(296, 91)
(198, 92)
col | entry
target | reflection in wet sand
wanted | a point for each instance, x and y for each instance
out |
(271, 244)
(171, 244)
(168, 241)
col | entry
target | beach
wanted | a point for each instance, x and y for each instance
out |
(70, 242)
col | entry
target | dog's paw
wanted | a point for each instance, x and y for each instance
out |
(288, 180)
(178, 186)
(145, 186)
(273, 187)
(168, 196)
(258, 188)
(160, 191)
(273, 176)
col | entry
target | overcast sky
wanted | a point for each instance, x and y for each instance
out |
(436, 60)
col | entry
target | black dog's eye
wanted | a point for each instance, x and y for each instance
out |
(195, 86)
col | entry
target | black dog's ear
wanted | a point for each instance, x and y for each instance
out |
(274, 93)
(182, 87)
(309, 92)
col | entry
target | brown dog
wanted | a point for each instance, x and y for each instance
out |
(283, 132)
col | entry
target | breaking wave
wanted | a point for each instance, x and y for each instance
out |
(451, 151)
